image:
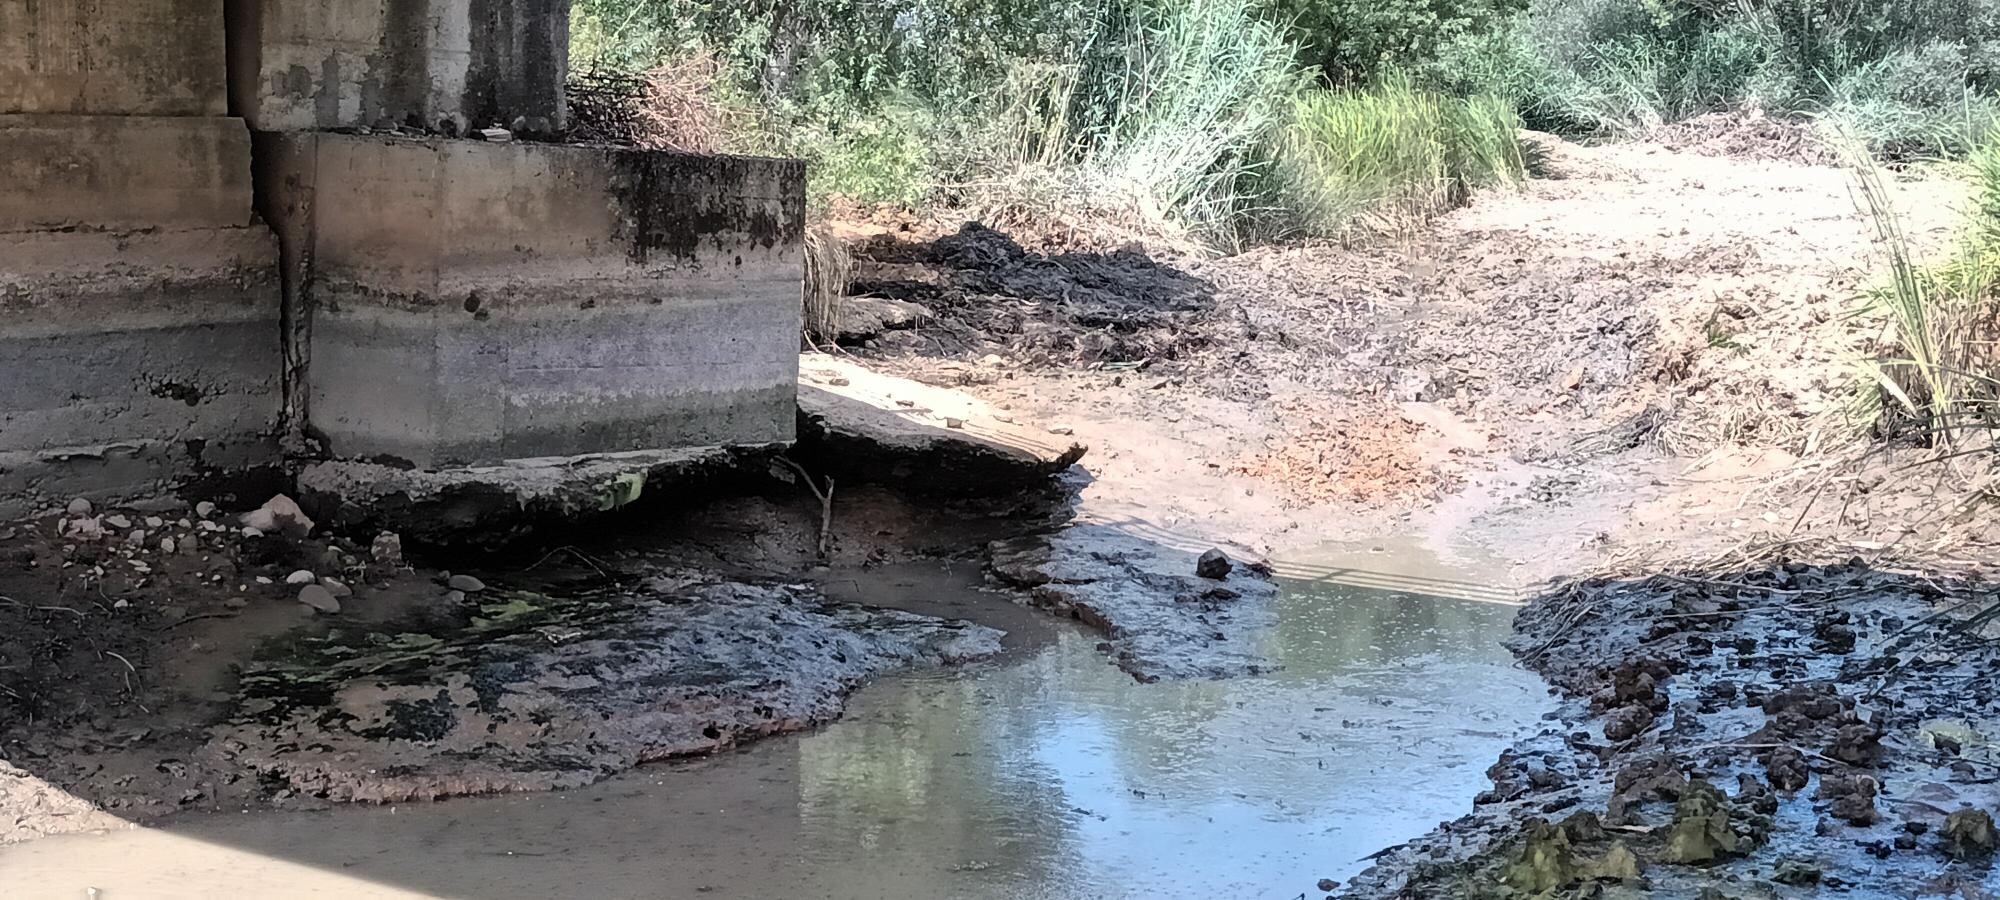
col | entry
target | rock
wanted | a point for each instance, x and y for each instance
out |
(137, 538)
(302, 576)
(252, 533)
(279, 515)
(79, 507)
(1968, 834)
(88, 528)
(117, 521)
(1061, 429)
(1327, 884)
(1796, 872)
(454, 597)
(336, 587)
(263, 580)
(1700, 832)
(155, 522)
(466, 583)
(950, 422)
(495, 135)
(204, 509)
(168, 545)
(1619, 863)
(862, 318)
(1214, 564)
(1546, 861)
(387, 549)
(319, 598)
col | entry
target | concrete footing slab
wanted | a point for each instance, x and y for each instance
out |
(475, 302)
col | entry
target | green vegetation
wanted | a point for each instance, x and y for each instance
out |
(1942, 374)
(1238, 120)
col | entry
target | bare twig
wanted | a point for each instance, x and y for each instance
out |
(825, 505)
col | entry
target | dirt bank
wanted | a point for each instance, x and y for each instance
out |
(1767, 729)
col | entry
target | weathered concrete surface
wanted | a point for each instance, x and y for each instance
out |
(476, 302)
(865, 427)
(489, 503)
(113, 57)
(138, 304)
(446, 65)
(543, 692)
(122, 173)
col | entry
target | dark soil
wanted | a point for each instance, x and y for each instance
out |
(1782, 730)
(989, 295)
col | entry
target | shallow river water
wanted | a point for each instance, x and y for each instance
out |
(1046, 773)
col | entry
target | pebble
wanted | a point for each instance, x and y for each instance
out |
(204, 509)
(155, 522)
(167, 545)
(250, 532)
(454, 596)
(319, 598)
(466, 583)
(302, 576)
(263, 580)
(79, 507)
(137, 538)
(118, 521)
(337, 587)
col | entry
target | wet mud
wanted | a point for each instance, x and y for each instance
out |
(1771, 730)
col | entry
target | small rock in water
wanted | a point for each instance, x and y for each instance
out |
(204, 509)
(387, 549)
(79, 507)
(1968, 834)
(155, 522)
(302, 576)
(466, 583)
(167, 545)
(279, 515)
(337, 587)
(1214, 564)
(319, 598)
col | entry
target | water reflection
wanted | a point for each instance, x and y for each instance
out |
(1060, 777)
(1047, 774)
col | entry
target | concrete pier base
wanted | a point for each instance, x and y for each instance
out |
(475, 302)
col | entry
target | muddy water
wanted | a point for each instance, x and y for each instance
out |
(1043, 774)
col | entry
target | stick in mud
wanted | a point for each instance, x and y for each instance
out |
(825, 506)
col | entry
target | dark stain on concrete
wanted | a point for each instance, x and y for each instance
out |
(674, 202)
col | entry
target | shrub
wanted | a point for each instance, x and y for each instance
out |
(1353, 42)
(1390, 156)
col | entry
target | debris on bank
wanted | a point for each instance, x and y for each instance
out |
(1772, 730)
(1165, 613)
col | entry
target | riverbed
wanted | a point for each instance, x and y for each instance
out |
(1045, 772)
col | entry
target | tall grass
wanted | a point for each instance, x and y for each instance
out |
(1942, 372)
(1391, 155)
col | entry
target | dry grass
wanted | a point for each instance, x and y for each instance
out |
(679, 105)
(829, 271)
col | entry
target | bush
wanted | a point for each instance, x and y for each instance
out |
(1353, 42)
(1390, 156)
